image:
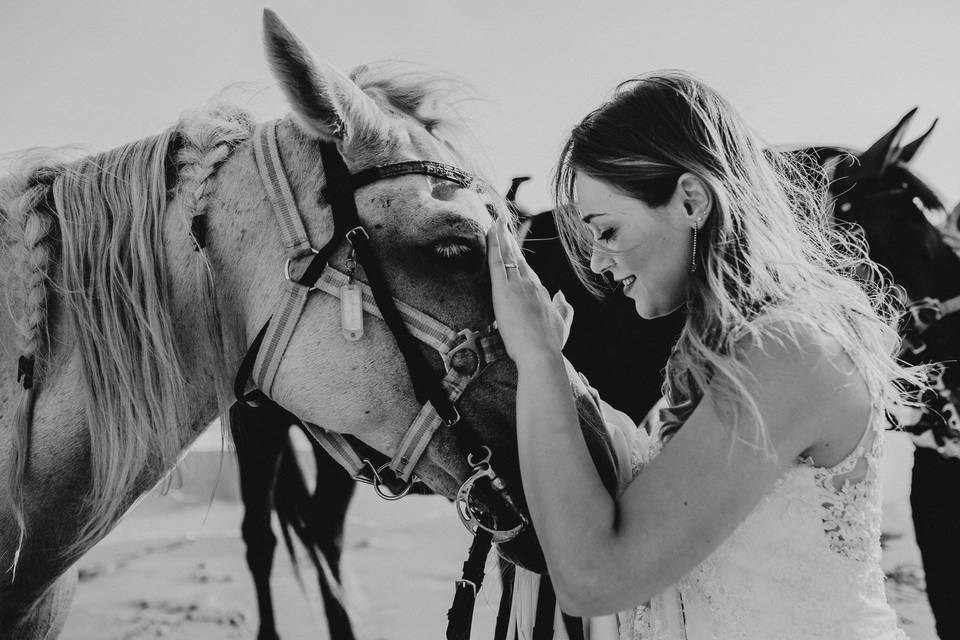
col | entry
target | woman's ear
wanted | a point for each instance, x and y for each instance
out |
(695, 197)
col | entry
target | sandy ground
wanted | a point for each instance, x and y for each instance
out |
(174, 568)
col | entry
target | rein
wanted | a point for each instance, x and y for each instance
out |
(465, 353)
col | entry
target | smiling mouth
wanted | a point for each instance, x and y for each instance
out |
(626, 283)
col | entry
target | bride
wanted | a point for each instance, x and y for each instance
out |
(754, 508)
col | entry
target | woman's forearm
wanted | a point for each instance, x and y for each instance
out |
(575, 515)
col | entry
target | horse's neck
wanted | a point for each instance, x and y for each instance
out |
(58, 382)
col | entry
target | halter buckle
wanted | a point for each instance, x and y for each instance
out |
(349, 235)
(286, 271)
(468, 583)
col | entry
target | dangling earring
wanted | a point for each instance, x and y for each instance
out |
(693, 252)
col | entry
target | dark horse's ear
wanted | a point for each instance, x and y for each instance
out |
(885, 151)
(325, 101)
(910, 149)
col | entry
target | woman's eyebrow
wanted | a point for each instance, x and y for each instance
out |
(590, 216)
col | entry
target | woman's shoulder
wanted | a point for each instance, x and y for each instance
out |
(810, 379)
(794, 347)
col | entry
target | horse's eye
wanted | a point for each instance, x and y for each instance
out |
(458, 254)
(451, 249)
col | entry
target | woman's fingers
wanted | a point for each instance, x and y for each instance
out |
(566, 312)
(516, 256)
(494, 257)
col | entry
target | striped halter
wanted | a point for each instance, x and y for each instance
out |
(465, 353)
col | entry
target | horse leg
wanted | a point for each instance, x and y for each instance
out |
(259, 442)
(327, 514)
(937, 527)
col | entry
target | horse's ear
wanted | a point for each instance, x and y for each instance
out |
(324, 100)
(910, 149)
(885, 151)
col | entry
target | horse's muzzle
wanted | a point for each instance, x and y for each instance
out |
(498, 504)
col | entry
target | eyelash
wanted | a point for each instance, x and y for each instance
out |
(606, 236)
(451, 250)
(458, 256)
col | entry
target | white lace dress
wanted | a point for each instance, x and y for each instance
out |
(804, 564)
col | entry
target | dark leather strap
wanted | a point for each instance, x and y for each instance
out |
(573, 625)
(255, 397)
(546, 603)
(353, 181)
(343, 202)
(507, 576)
(460, 615)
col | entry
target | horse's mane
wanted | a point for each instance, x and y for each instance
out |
(106, 213)
(102, 218)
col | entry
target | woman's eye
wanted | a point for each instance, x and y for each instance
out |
(607, 235)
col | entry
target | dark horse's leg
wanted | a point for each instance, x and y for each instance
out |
(327, 515)
(318, 520)
(259, 435)
(936, 521)
(270, 477)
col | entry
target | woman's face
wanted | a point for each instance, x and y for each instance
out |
(646, 249)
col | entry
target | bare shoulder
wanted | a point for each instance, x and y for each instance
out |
(805, 381)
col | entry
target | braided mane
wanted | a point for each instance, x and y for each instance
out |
(102, 217)
(89, 233)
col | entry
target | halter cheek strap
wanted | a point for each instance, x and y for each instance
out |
(408, 324)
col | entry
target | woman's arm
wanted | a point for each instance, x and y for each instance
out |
(607, 555)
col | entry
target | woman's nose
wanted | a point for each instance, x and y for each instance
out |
(600, 260)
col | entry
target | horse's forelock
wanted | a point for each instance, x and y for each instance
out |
(429, 97)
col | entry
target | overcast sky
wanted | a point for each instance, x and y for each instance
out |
(100, 73)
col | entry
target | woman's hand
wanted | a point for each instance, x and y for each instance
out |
(531, 325)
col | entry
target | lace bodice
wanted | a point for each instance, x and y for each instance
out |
(804, 564)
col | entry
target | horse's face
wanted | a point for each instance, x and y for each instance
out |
(429, 236)
(898, 212)
(899, 229)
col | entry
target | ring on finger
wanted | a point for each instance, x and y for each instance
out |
(511, 265)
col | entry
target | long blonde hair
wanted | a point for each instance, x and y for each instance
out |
(770, 262)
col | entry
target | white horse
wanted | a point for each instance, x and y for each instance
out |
(127, 335)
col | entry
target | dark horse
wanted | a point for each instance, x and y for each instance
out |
(902, 218)
(623, 355)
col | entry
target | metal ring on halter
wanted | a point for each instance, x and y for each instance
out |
(378, 483)
(464, 511)
(469, 343)
(471, 522)
(286, 270)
